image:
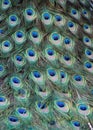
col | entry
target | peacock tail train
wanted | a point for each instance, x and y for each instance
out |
(46, 64)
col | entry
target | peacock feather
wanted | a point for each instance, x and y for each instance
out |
(46, 64)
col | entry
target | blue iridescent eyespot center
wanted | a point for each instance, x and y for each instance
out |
(87, 39)
(55, 36)
(19, 58)
(76, 123)
(16, 80)
(22, 111)
(1, 68)
(88, 65)
(6, 44)
(31, 53)
(50, 52)
(29, 12)
(74, 11)
(70, 24)
(58, 18)
(62, 74)
(37, 74)
(12, 118)
(2, 99)
(77, 77)
(46, 16)
(13, 18)
(41, 106)
(86, 26)
(52, 122)
(83, 107)
(67, 57)
(19, 34)
(60, 104)
(88, 52)
(6, 2)
(84, 12)
(1, 31)
(21, 91)
(67, 41)
(51, 72)
(35, 34)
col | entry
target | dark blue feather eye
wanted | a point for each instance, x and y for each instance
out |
(91, 92)
(52, 122)
(41, 106)
(51, 72)
(2, 99)
(21, 91)
(1, 31)
(74, 11)
(84, 12)
(86, 39)
(19, 34)
(22, 111)
(77, 77)
(58, 18)
(1, 68)
(83, 107)
(16, 80)
(62, 74)
(13, 18)
(76, 123)
(60, 104)
(6, 2)
(46, 16)
(70, 24)
(6, 43)
(31, 53)
(55, 36)
(50, 52)
(12, 118)
(86, 26)
(29, 12)
(88, 52)
(67, 40)
(88, 65)
(35, 34)
(19, 58)
(37, 74)
(67, 57)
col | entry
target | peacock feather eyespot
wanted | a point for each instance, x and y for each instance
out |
(31, 53)
(62, 74)
(46, 16)
(22, 110)
(58, 18)
(2, 99)
(50, 52)
(83, 107)
(55, 36)
(6, 2)
(67, 57)
(19, 34)
(88, 65)
(76, 123)
(74, 12)
(36, 74)
(67, 40)
(1, 68)
(29, 12)
(41, 106)
(78, 78)
(88, 52)
(51, 72)
(60, 104)
(70, 24)
(16, 80)
(35, 34)
(13, 119)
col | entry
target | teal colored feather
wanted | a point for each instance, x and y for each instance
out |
(46, 65)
